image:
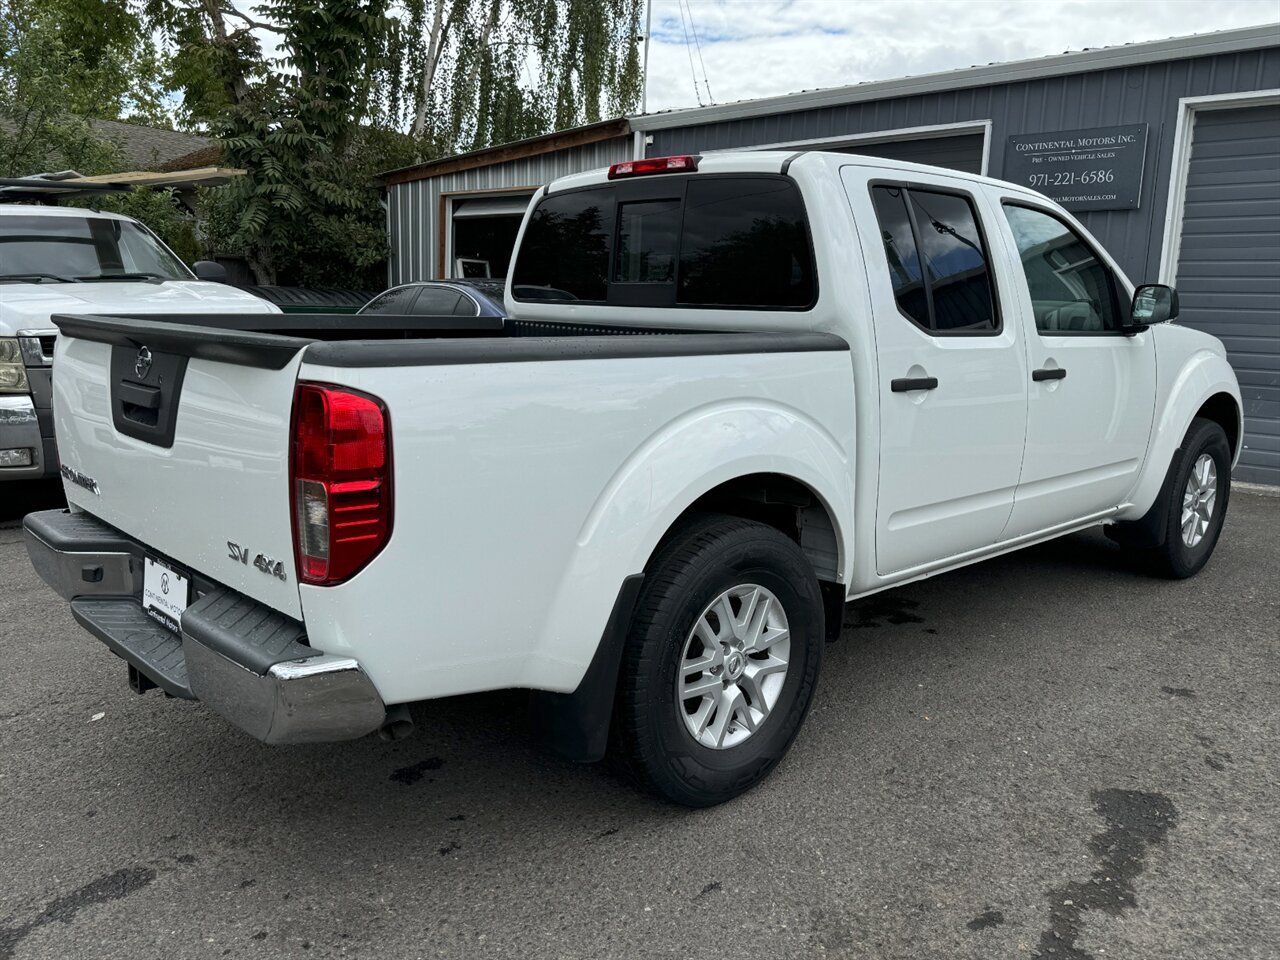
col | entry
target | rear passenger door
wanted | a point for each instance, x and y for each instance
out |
(1092, 388)
(952, 374)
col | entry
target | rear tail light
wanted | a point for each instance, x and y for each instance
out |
(340, 478)
(641, 168)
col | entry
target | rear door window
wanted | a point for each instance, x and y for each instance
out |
(900, 250)
(937, 259)
(709, 241)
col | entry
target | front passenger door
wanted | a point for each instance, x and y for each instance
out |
(1093, 388)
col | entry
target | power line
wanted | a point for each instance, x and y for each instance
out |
(706, 82)
(693, 73)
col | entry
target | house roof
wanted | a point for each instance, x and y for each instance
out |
(148, 148)
(1078, 61)
(519, 150)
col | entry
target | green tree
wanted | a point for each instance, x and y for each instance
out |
(61, 63)
(308, 209)
(314, 123)
(470, 73)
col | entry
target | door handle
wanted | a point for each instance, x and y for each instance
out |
(1048, 373)
(903, 384)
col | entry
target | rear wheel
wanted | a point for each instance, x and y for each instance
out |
(721, 661)
(1197, 501)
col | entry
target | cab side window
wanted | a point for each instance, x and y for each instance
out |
(938, 262)
(1072, 291)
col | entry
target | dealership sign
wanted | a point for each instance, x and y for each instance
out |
(1095, 169)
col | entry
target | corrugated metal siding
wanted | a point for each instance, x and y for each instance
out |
(414, 219)
(962, 152)
(1229, 263)
(1130, 95)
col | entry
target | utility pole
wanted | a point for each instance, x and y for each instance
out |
(644, 83)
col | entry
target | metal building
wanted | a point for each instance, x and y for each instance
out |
(458, 216)
(1187, 130)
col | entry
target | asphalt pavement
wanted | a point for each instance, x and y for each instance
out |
(1046, 754)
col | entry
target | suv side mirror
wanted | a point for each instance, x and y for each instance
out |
(210, 270)
(1152, 303)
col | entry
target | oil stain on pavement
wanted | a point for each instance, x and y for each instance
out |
(114, 886)
(416, 771)
(1135, 821)
(889, 607)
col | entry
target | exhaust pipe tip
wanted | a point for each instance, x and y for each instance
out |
(398, 725)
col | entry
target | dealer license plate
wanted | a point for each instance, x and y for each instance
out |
(164, 593)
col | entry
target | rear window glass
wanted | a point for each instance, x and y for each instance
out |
(566, 246)
(745, 243)
(728, 241)
(648, 235)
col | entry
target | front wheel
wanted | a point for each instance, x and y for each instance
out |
(721, 661)
(1197, 501)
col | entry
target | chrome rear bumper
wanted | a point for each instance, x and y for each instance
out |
(249, 663)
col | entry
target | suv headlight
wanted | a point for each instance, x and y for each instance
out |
(13, 376)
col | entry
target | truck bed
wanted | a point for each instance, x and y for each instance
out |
(341, 340)
(533, 466)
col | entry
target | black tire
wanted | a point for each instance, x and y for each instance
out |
(1174, 558)
(650, 740)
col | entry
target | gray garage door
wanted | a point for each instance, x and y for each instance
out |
(1229, 264)
(962, 152)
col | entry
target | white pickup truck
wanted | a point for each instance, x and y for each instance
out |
(733, 392)
(67, 260)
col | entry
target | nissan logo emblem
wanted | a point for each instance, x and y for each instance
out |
(142, 366)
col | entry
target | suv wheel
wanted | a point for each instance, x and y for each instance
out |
(721, 661)
(1197, 501)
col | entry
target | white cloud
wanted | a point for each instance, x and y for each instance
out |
(759, 48)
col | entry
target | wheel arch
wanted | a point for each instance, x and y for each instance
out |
(762, 462)
(1224, 410)
(1204, 385)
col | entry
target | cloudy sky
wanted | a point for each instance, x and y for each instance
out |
(760, 48)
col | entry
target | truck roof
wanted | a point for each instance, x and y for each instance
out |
(42, 210)
(771, 161)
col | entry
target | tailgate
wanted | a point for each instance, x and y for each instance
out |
(179, 436)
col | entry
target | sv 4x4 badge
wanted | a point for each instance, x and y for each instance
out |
(261, 561)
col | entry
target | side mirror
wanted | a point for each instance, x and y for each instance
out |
(210, 270)
(1152, 303)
